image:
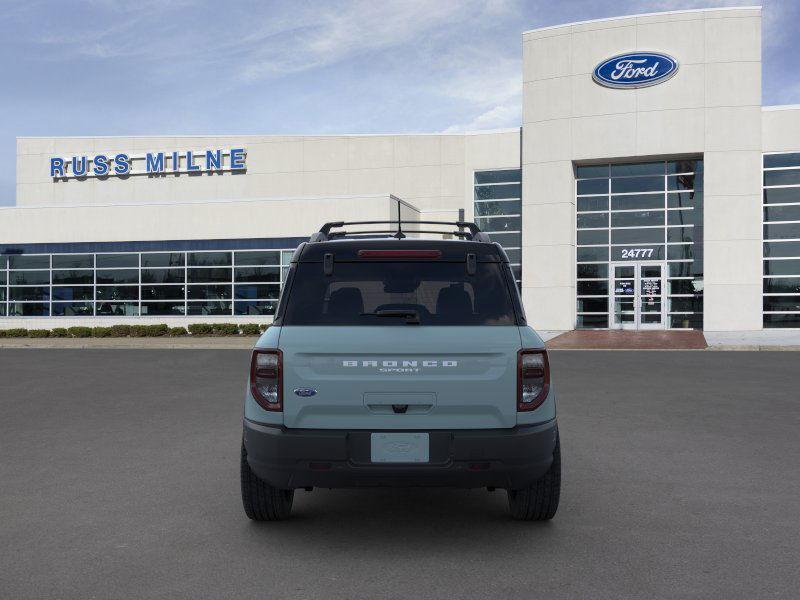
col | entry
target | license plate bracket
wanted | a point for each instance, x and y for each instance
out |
(405, 447)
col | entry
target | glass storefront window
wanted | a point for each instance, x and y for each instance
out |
(117, 276)
(629, 212)
(500, 176)
(162, 309)
(84, 292)
(255, 308)
(208, 292)
(163, 259)
(209, 259)
(217, 308)
(73, 309)
(498, 207)
(781, 248)
(163, 292)
(29, 277)
(256, 274)
(264, 291)
(636, 184)
(67, 277)
(593, 220)
(114, 261)
(257, 258)
(29, 293)
(163, 276)
(117, 292)
(592, 186)
(117, 309)
(40, 261)
(498, 211)
(592, 236)
(592, 203)
(589, 321)
(28, 309)
(108, 284)
(73, 261)
(208, 275)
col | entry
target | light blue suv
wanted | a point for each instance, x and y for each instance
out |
(400, 361)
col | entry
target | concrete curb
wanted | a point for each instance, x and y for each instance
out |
(166, 343)
(754, 348)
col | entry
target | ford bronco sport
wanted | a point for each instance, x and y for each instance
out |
(400, 361)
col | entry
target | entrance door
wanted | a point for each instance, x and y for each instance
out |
(637, 295)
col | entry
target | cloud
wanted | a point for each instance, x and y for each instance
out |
(498, 117)
(343, 31)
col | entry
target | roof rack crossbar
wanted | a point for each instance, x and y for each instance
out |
(474, 232)
(392, 232)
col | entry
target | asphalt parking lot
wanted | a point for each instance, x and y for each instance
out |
(119, 479)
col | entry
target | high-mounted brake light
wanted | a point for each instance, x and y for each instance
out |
(266, 379)
(399, 253)
(533, 379)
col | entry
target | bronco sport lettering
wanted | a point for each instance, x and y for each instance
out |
(400, 363)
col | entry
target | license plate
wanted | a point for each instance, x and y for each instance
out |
(400, 447)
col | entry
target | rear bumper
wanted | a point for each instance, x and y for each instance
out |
(296, 458)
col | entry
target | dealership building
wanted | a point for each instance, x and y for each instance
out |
(646, 188)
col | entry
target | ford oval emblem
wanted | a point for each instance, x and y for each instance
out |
(635, 70)
(305, 392)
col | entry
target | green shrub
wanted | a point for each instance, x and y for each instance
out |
(101, 332)
(59, 332)
(263, 327)
(149, 330)
(38, 333)
(80, 332)
(157, 330)
(201, 329)
(250, 329)
(225, 329)
(16, 332)
(120, 330)
(177, 331)
(138, 330)
(2, 333)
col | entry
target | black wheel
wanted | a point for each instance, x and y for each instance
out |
(261, 501)
(539, 502)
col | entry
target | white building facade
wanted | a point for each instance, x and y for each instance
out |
(654, 192)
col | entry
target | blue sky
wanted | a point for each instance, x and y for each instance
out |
(151, 67)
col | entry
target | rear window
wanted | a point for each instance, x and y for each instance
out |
(403, 293)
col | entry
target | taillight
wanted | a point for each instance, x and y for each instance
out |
(266, 378)
(400, 254)
(533, 379)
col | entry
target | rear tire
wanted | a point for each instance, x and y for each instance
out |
(539, 501)
(261, 501)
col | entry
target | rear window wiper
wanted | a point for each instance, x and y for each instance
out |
(412, 316)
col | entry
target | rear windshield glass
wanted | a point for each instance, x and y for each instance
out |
(405, 293)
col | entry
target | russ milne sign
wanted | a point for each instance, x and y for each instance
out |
(151, 163)
(635, 70)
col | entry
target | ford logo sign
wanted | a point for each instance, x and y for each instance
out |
(305, 392)
(635, 70)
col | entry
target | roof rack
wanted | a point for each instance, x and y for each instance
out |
(325, 234)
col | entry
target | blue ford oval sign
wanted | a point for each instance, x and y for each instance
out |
(635, 70)
(305, 392)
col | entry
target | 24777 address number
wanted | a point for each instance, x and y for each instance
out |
(637, 252)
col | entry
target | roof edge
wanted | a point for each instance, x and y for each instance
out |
(781, 107)
(652, 14)
(264, 135)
